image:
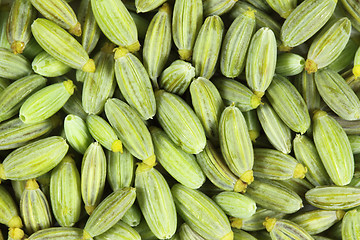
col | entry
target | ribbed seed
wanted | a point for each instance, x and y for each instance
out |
(334, 148)
(356, 69)
(143, 6)
(59, 233)
(235, 204)
(289, 64)
(34, 208)
(77, 133)
(261, 61)
(253, 124)
(65, 193)
(305, 84)
(351, 225)
(307, 154)
(4, 15)
(134, 83)
(352, 8)
(180, 165)
(236, 43)
(337, 94)
(255, 222)
(285, 230)
(208, 106)
(142, 24)
(5, 82)
(59, 12)
(9, 212)
(132, 216)
(262, 18)
(214, 167)
(288, 104)
(116, 23)
(260, 4)
(186, 24)
(103, 133)
(100, 85)
(74, 106)
(317, 221)
(48, 66)
(14, 133)
(46, 102)
(13, 96)
(93, 176)
(273, 164)
(328, 45)
(305, 21)
(233, 91)
(18, 28)
(13, 66)
(271, 195)
(298, 185)
(155, 201)
(177, 77)
(207, 47)
(334, 197)
(217, 7)
(32, 49)
(239, 234)
(157, 43)
(144, 231)
(235, 143)
(34, 159)
(120, 169)
(275, 129)
(345, 58)
(282, 7)
(130, 129)
(201, 213)
(110, 211)
(120, 231)
(354, 142)
(185, 232)
(90, 30)
(61, 45)
(180, 122)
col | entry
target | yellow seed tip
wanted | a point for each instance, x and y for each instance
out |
(310, 66)
(117, 146)
(250, 13)
(17, 47)
(259, 94)
(255, 101)
(254, 135)
(247, 177)
(185, 54)
(89, 209)
(76, 29)
(283, 48)
(151, 161)
(86, 235)
(15, 222)
(120, 52)
(134, 47)
(240, 186)
(299, 171)
(31, 184)
(269, 223)
(356, 71)
(165, 8)
(340, 214)
(143, 167)
(89, 66)
(69, 86)
(16, 233)
(236, 222)
(319, 114)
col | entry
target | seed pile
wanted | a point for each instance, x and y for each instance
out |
(180, 119)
